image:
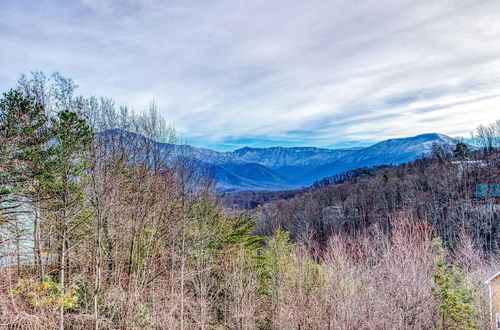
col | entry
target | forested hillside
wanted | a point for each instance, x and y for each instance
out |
(101, 227)
(440, 191)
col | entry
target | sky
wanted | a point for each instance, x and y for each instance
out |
(234, 73)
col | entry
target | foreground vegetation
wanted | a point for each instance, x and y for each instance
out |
(99, 228)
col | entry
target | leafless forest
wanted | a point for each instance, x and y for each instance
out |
(107, 231)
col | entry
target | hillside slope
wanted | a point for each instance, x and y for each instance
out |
(278, 168)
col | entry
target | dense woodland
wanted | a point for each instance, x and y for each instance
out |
(439, 190)
(101, 229)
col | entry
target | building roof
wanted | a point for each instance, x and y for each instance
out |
(472, 162)
(493, 277)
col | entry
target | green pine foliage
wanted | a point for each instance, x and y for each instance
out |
(455, 301)
(23, 147)
(221, 243)
(65, 176)
(461, 151)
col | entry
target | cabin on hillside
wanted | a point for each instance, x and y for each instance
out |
(466, 166)
(494, 287)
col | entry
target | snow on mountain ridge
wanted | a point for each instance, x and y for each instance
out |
(276, 168)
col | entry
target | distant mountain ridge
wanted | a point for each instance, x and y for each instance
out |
(280, 168)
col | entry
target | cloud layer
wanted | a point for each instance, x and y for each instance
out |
(231, 73)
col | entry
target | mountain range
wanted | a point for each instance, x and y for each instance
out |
(279, 168)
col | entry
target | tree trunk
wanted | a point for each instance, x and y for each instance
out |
(62, 280)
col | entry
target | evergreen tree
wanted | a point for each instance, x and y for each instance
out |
(23, 138)
(454, 299)
(63, 185)
(461, 150)
(218, 243)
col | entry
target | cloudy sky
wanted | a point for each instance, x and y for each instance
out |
(230, 73)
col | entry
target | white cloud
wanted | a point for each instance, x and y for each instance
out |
(316, 72)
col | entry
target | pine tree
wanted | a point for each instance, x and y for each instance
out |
(23, 138)
(219, 243)
(461, 150)
(63, 185)
(454, 300)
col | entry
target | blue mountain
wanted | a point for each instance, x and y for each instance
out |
(278, 168)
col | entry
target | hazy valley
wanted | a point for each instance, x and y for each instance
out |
(278, 168)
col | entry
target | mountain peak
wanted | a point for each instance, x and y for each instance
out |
(434, 136)
(278, 168)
